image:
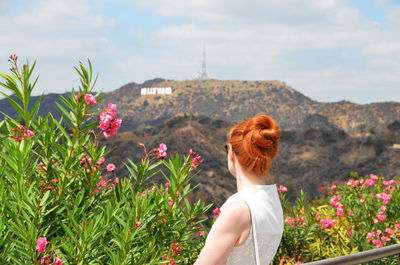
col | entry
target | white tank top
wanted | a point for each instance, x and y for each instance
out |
(267, 223)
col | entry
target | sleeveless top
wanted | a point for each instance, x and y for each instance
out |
(267, 219)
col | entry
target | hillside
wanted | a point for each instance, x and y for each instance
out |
(305, 158)
(236, 100)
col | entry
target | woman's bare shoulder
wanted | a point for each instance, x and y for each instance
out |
(236, 211)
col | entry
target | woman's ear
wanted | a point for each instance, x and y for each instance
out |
(231, 153)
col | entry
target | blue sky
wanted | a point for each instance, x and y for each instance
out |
(329, 50)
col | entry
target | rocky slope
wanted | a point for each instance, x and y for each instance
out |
(305, 158)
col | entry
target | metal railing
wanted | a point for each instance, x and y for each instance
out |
(359, 258)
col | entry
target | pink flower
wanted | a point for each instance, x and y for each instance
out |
(328, 223)
(45, 260)
(171, 202)
(138, 224)
(339, 212)
(216, 211)
(89, 98)
(373, 177)
(282, 188)
(350, 213)
(381, 216)
(58, 261)
(78, 97)
(196, 161)
(383, 208)
(41, 244)
(108, 123)
(116, 180)
(162, 151)
(95, 191)
(369, 182)
(101, 161)
(191, 152)
(110, 167)
(201, 233)
(386, 197)
(375, 220)
(362, 201)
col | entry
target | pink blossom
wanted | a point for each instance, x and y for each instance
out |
(385, 239)
(350, 213)
(116, 180)
(58, 261)
(328, 223)
(138, 224)
(386, 197)
(108, 123)
(95, 191)
(216, 212)
(41, 244)
(78, 97)
(110, 167)
(45, 260)
(101, 161)
(362, 201)
(369, 182)
(388, 183)
(339, 212)
(370, 235)
(375, 220)
(373, 177)
(350, 182)
(191, 152)
(282, 188)
(383, 208)
(89, 98)
(171, 202)
(201, 233)
(162, 151)
(381, 216)
(196, 161)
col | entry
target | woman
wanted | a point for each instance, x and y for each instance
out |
(250, 226)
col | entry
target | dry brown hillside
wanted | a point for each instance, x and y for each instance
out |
(236, 100)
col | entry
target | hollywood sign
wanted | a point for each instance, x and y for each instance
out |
(155, 91)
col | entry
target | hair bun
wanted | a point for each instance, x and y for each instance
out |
(255, 142)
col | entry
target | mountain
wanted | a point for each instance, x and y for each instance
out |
(237, 100)
(305, 159)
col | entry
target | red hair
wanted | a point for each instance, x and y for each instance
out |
(255, 143)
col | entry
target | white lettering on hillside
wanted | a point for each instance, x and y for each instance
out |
(155, 91)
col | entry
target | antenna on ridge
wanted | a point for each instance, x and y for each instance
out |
(203, 75)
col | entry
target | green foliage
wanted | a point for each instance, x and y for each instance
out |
(54, 184)
(350, 217)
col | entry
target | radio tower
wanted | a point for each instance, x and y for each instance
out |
(203, 75)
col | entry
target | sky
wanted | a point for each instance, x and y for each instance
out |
(329, 50)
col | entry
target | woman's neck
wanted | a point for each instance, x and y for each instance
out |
(247, 179)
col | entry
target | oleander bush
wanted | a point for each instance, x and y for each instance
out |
(61, 203)
(358, 215)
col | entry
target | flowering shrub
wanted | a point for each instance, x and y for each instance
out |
(61, 203)
(357, 215)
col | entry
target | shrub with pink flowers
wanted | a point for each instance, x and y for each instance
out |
(61, 201)
(357, 215)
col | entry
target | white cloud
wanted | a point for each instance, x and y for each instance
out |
(318, 47)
